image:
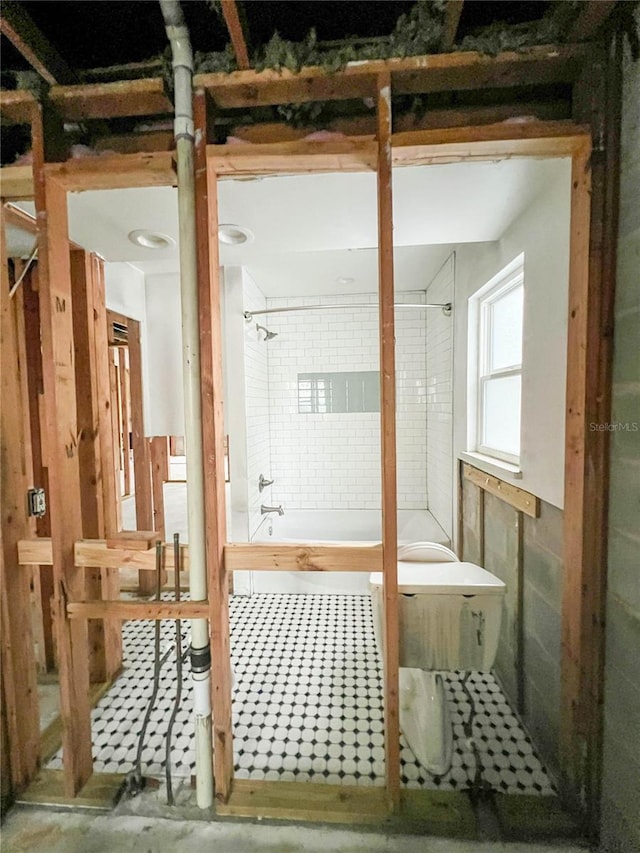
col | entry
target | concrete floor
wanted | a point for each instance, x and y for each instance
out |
(29, 830)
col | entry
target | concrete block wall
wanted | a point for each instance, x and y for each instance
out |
(620, 829)
(439, 402)
(542, 624)
(526, 553)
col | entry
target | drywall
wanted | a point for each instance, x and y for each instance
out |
(542, 234)
(164, 355)
(439, 345)
(125, 294)
(621, 758)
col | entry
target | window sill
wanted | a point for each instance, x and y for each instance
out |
(489, 465)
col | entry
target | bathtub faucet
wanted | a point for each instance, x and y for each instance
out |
(265, 509)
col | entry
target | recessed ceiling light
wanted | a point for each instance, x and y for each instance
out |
(151, 239)
(234, 235)
(345, 279)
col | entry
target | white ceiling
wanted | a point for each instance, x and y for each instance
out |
(308, 228)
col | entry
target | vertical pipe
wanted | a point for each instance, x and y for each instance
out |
(200, 655)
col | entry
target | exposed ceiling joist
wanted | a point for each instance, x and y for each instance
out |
(232, 20)
(452, 14)
(591, 18)
(17, 25)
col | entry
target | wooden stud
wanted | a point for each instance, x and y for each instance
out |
(594, 210)
(213, 451)
(232, 20)
(388, 444)
(452, 13)
(64, 483)
(305, 557)
(18, 663)
(141, 452)
(592, 16)
(158, 459)
(125, 403)
(89, 459)
(31, 303)
(114, 433)
(518, 498)
(18, 26)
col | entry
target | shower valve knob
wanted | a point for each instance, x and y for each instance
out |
(263, 483)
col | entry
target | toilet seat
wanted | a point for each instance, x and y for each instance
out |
(426, 552)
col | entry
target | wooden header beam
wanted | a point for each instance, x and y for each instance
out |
(412, 75)
(232, 20)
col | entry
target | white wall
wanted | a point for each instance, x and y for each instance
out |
(439, 348)
(246, 403)
(332, 461)
(257, 352)
(542, 233)
(164, 355)
(125, 294)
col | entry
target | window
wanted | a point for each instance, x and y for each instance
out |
(499, 365)
(331, 393)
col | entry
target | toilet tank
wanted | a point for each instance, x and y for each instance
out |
(449, 615)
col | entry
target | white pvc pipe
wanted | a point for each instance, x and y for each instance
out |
(184, 132)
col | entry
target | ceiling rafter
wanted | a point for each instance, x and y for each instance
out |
(591, 18)
(452, 13)
(234, 25)
(17, 25)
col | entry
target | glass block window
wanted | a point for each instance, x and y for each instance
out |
(333, 393)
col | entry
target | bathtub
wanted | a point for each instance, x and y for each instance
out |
(306, 525)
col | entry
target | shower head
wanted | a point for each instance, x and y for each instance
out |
(267, 334)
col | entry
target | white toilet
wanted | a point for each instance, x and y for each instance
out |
(449, 615)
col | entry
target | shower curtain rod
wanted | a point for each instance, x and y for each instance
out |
(446, 307)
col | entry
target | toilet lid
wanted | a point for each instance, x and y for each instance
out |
(426, 552)
(443, 579)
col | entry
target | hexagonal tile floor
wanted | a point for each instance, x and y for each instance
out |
(307, 704)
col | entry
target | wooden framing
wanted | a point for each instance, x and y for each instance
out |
(232, 20)
(518, 498)
(19, 691)
(589, 337)
(141, 450)
(63, 464)
(386, 299)
(213, 451)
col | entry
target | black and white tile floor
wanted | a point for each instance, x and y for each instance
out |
(307, 704)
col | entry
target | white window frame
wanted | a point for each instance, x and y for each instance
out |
(507, 280)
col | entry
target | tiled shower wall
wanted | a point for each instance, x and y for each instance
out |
(256, 355)
(332, 461)
(439, 401)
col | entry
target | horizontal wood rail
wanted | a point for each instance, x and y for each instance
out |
(138, 610)
(354, 154)
(518, 498)
(411, 75)
(289, 557)
(304, 557)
